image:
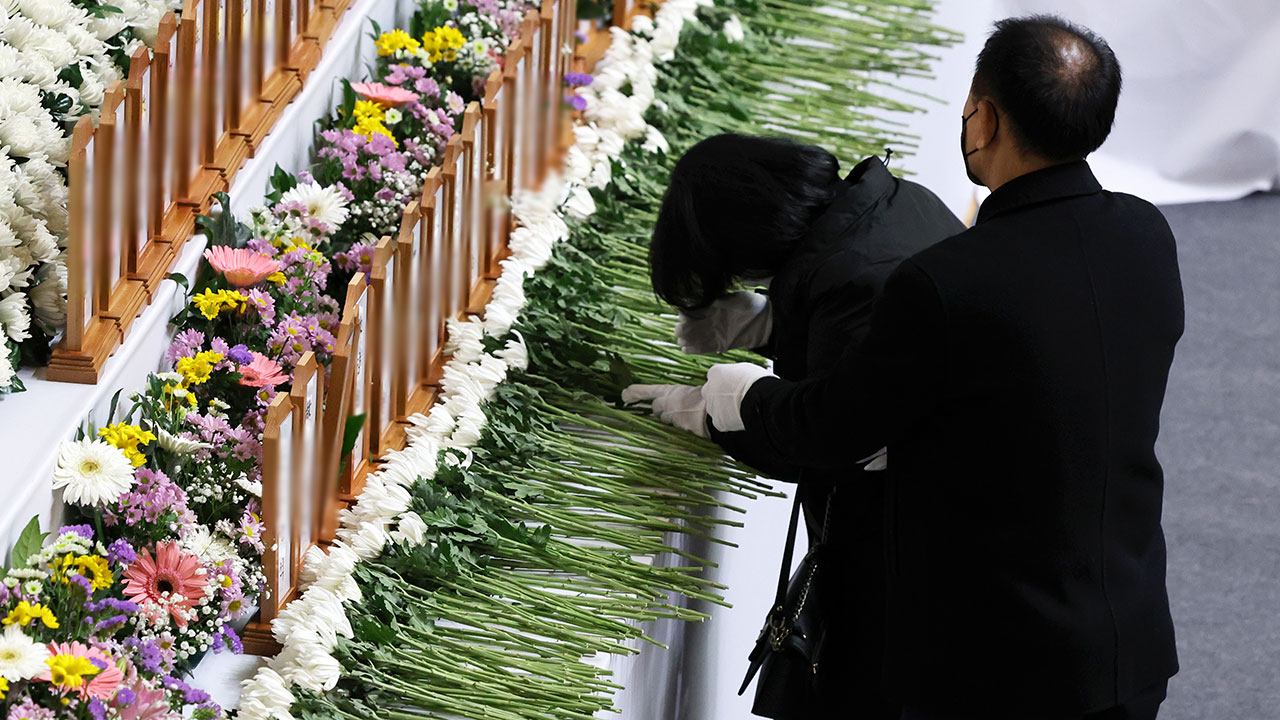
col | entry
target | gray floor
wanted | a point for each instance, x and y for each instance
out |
(1220, 446)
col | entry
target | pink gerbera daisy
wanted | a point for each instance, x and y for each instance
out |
(104, 683)
(388, 95)
(170, 581)
(241, 266)
(263, 371)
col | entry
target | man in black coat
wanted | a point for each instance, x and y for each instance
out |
(1016, 372)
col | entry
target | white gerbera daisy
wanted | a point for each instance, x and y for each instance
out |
(91, 472)
(325, 204)
(21, 658)
(177, 444)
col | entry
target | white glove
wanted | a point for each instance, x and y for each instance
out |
(738, 320)
(678, 405)
(726, 386)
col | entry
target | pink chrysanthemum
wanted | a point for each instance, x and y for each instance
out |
(263, 371)
(171, 580)
(241, 266)
(386, 95)
(104, 683)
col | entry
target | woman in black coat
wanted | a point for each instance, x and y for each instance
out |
(742, 211)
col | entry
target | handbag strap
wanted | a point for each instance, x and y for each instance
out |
(784, 575)
(788, 553)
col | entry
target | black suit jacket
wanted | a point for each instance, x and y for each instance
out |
(1016, 372)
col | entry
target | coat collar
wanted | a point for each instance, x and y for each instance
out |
(1056, 182)
(863, 188)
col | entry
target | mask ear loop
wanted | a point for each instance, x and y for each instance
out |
(965, 120)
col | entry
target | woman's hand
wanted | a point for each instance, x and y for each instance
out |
(737, 320)
(678, 405)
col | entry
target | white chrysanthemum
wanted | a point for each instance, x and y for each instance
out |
(210, 548)
(48, 297)
(91, 472)
(654, 142)
(21, 658)
(177, 444)
(733, 30)
(55, 14)
(325, 204)
(14, 317)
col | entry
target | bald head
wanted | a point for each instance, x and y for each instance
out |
(1055, 83)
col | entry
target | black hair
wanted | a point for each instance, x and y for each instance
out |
(1056, 82)
(735, 208)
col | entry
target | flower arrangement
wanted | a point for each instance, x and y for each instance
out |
(57, 58)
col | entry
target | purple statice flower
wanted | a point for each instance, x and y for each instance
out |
(153, 656)
(239, 354)
(97, 710)
(579, 36)
(113, 604)
(577, 78)
(84, 584)
(125, 697)
(453, 101)
(110, 624)
(121, 553)
(577, 102)
(265, 305)
(190, 694)
(186, 344)
(427, 87)
(84, 531)
(233, 640)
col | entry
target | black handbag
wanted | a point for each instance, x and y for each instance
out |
(787, 652)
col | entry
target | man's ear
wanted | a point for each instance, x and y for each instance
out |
(986, 124)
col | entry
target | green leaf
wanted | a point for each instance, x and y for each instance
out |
(28, 543)
(111, 412)
(181, 280)
(350, 434)
(223, 229)
(281, 183)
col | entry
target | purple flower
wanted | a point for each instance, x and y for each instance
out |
(577, 102)
(577, 78)
(233, 640)
(83, 531)
(29, 710)
(96, 708)
(385, 195)
(120, 552)
(186, 344)
(264, 305)
(125, 697)
(84, 584)
(240, 355)
(427, 87)
(580, 36)
(453, 101)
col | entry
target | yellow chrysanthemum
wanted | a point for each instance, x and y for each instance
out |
(368, 126)
(94, 568)
(126, 438)
(4, 688)
(276, 277)
(26, 613)
(69, 671)
(367, 109)
(388, 43)
(211, 302)
(443, 43)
